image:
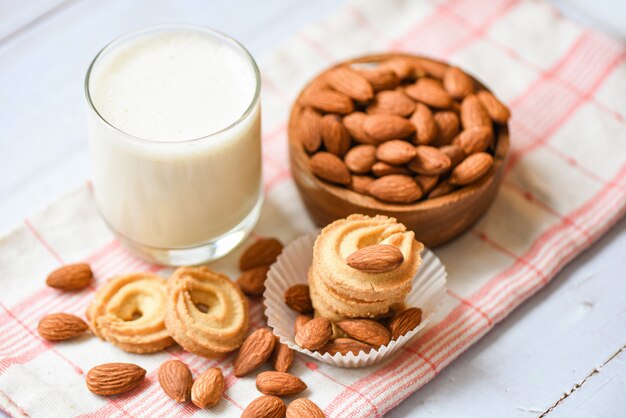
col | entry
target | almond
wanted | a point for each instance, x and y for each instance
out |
(448, 127)
(395, 152)
(114, 378)
(344, 346)
(303, 408)
(426, 183)
(429, 160)
(473, 114)
(474, 140)
(350, 82)
(403, 67)
(380, 78)
(424, 123)
(265, 407)
(360, 184)
(329, 167)
(428, 67)
(279, 384)
(354, 124)
(326, 100)
(61, 326)
(381, 169)
(471, 169)
(442, 188)
(429, 92)
(382, 128)
(70, 277)
(391, 102)
(395, 188)
(262, 252)
(361, 158)
(254, 351)
(497, 111)
(377, 258)
(457, 83)
(454, 152)
(297, 298)
(252, 282)
(299, 322)
(282, 357)
(309, 129)
(176, 380)
(335, 136)
(404, 322)
(314, 334)
(365, 330)
(208, 388)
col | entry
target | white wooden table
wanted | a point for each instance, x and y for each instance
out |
(561, 354)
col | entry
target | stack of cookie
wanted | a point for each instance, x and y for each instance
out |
(342, 289)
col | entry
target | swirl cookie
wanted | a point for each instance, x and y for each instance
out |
(206, 313)
(128, 312)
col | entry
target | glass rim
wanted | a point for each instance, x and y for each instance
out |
(174, 26)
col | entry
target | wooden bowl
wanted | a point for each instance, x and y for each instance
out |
(434, 221)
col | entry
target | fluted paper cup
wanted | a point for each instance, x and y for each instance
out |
(429, 285)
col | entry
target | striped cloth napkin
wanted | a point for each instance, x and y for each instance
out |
(565, 185)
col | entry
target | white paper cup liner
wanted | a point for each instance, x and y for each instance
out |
(429, 285)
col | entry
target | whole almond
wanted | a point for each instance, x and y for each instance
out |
(344, 346)
(265, 407)
(70, 277)
(262, 252)
(383, 128)
(360, 184)
(299, 322)
(208, 388)
(474, 140)
(404, 322)
(381, 169)
(176, 380)
(454, 152)
(329, 167)
(424, 123)
(448, 127)
(282, 357)
(395, 152)
(365, 330)
(252, 282)
(428, 67)
(297, 298)
(254, 351)
(377, 258)
(309, 129)
(471, 169)
(395, 188)
(380, 78)
(391, 102)
(498, 112)
(350, 82)
(354, 124)
(304, 408)
(429, 92)
(426, 183)
(443, 188)
(314, 334)
(61, 326)
(429, 160)
(279, 384)
(361, 158)
(473, 114)
(403, 67)
(335, 136)
(114, 378)
(326, 100)
(457, 83)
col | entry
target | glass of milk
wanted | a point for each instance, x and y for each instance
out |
(174, 131)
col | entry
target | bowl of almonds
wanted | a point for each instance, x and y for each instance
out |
(402, 136)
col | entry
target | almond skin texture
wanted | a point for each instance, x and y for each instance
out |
(252, 282)
(429, 92)
(282, 357)
(254, 351)
(303, 408)
(60, 327)
(474, 140)
(299, 322)
(473, 114)
(265, 407)
(404, 322)
(448, 126)
(381, 169)
(424, 123)
(361, 183)
(361, 158)
(383, 128)
(335, 136)
(114, 378)
(344, 346)
(309, 129)
(176, 380)
(262, 252)
(426, 183)
(279, 384)
(391, 102)
(327, 100)
(351, 83)
(498, 112)
(208, 388)
(430, 161)
(365, 330)
(454, 152)
(329, 167)
(380, 78)
(471, 169)
(378, 258)
(442, 189)
(314, 334)
(297, 298)
(395, 152)
(70, 277)
(354, 124)
(395, 188)
(457, 83)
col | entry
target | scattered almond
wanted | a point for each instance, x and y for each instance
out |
(471, 169)
(254, 351)
(265, 407)
(304, 408)
(395, 152)
(309, 129)
(282, 357)
(329, 167)
(457, 83)
(279, 384)
(365, 330)
(361, 158)
(262, 252)
(70, 277)
(297, 298)
(176, 380)
(327, 100)
(351, 83)
(378, 258)
(430, 161)
(314, 334)
(391, 102)
(114, 378)
(395, 188)
(252, 282)
(382, 128)
(335, 136)
(498, 112)
(404, 322)
(61, 326)
(424, 123)
(430, 92)
(344, 346)
(299, 322)
(208, 388)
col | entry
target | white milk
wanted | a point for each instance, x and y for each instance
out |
(175, 162)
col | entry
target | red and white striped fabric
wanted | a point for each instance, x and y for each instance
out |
(565, 186)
